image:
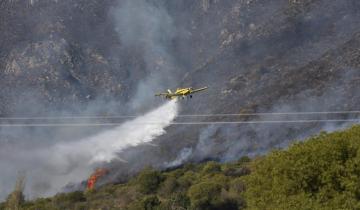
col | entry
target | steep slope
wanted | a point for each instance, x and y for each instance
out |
(283, 56)
(108, 57)
(321, 173)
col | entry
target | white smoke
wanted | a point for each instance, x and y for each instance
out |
(148, 26)
(184, 155)
(72, 162)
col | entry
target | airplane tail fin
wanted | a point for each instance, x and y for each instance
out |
(169, 91)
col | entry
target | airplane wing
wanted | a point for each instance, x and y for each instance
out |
(198, 90)
(168, 94)
(162, 94)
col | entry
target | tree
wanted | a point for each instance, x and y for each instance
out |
(16, 198)
(320, 173)
(211, 167)
(205, 195)
(149, 180)
(150, 202)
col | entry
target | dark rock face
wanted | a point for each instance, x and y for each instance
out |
(261, 56)
(255, 55)
(46, 54)
(238, 48)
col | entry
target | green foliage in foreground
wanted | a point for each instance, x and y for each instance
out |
(320, 173)
(201, 186)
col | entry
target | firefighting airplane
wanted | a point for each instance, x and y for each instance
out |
(180, 92)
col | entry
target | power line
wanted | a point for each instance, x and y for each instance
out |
(181, 116)
(175, 123)
(275, 113)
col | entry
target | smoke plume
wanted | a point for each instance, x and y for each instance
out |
(98, 57)
(83, 66)
(49, 169)
(146, 26)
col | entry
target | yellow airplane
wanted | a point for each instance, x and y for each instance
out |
(180, 92)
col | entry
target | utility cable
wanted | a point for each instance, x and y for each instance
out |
(176, 123)
(181, 116)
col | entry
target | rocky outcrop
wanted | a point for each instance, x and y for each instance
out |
(255, 56)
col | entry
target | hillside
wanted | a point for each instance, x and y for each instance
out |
(320, 173)
(108, 58)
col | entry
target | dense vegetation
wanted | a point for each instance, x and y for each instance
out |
(320, 173)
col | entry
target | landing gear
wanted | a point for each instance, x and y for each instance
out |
(190, 96)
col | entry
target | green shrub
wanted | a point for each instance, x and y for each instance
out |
(237, 185)
(321, 173)
(71, 197)
(243, 160)
(211, 167)
(205, 195)
(227, 204)
(81, 206)
(177, 201)
(150, 202)
(186, 180)
(237, 172)
(149, 181)
(40, 204)
(168, 186)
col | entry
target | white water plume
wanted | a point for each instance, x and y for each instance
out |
(104, 146)
(50, 169)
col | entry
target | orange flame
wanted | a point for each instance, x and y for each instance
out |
(95, 176)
